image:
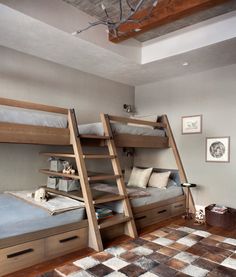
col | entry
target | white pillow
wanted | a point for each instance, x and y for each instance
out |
(159, 180)
(139, 177)
(151, 118)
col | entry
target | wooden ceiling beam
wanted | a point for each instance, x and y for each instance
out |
(165, 12)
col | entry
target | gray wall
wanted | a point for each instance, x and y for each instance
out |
(212, 94)
(28, 78)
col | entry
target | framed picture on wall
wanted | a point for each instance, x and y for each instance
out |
(218, 149)
(192, 124)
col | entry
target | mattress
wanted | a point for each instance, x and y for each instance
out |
(31, 117)
(156, 195)
(19, 217)
(119, 128)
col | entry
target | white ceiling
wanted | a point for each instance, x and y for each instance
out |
(24, 33)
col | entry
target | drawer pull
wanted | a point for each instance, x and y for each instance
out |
(162, 211)
(141, 217)
(68, 239)
(20, 253)
(178, 206)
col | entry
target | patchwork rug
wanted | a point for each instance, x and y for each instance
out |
(166, 252)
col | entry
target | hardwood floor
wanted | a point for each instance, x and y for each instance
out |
(47, 266)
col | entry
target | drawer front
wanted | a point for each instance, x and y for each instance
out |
(152, 216)
(21, 256)
(66, 243)
(178, 208)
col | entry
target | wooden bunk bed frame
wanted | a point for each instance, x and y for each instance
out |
(29, 134)
(22, 251)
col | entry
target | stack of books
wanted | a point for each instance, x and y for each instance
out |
(219, 209)
(102, 213)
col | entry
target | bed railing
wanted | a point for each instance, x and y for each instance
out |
(136, 121)
(139, 141)
(32, 106)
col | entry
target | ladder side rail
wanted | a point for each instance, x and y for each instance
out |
(131, 227)
(95, 240)
(182, 174)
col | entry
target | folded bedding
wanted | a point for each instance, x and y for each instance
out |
(55, 205)
(132, 192)
(19, 217)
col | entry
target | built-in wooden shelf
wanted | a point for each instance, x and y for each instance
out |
(94, 137)
(62, 155)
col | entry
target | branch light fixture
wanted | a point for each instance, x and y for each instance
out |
(128, 13)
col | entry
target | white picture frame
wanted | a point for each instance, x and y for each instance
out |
(218, 149)
(191, 124)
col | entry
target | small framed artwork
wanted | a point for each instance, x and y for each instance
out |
(192, 124)
(218, 149)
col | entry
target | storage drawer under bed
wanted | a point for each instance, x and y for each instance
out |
(66, 243)
(152, 216)
(178, 208)
(27, 254)
(21, 256)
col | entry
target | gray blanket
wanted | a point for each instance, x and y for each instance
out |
(133, 192)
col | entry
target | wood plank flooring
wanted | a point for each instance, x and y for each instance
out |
(47, 266)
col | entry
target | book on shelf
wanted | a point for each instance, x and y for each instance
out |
(102, 213)
(219, 209)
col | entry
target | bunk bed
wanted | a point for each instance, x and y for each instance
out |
(40, 124)
(27, 239)
(47, 125)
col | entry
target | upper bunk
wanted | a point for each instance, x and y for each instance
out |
(31, 123)
(128, 132)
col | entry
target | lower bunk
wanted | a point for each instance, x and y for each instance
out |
(152, 205)
(163, 204)
(30, 235)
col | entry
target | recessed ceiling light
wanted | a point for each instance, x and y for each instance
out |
(137, 30)
(185, 64)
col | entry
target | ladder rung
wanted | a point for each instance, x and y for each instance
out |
(101, 177)
(97, 156)
(94, 137)
(108, 198)
(114, 220)
(63, 155)
(59, 174)
(77, 194)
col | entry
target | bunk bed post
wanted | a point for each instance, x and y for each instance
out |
(182, 174)
(95, 240)
(130, 227)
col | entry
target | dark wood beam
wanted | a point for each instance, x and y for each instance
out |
(165, 12)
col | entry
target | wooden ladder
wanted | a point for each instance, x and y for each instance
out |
(95, 240)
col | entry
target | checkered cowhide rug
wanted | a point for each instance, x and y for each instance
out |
(166, 252)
